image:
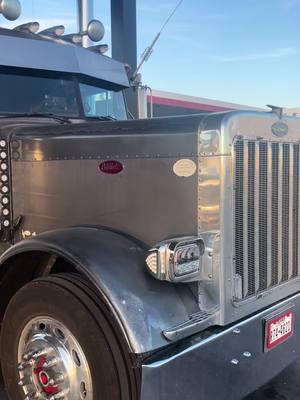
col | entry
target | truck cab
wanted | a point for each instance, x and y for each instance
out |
(59, 78)
(141, 259)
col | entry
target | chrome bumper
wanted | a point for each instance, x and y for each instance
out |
(226, 365)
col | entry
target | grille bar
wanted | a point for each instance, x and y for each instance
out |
(251, 218)
(274, 201)
(279, 215)
(239, 173)
(291, 213)
(257, 216)
(262, 221)
(285, 212)
(245, 222)
(297, 211)
(267, 216)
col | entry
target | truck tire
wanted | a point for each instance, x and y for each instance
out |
(57, 343)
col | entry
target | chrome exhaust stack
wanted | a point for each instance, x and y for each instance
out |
(85, 15)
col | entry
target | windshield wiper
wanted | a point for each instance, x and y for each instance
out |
(60, 118)
(101, 117)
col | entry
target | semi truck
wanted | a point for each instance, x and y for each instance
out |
(150, 259)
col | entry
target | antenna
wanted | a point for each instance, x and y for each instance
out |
(149, 50)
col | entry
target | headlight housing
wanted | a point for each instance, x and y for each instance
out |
(177, 260)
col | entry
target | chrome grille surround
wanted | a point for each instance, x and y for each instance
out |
(239, 156)
(266, 215)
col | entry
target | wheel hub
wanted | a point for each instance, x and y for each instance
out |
(51, 363)
(44, 378)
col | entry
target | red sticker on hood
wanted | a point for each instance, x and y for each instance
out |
(111, 167)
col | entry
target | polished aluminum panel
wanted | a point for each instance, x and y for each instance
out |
(209, 193)
(57, 181)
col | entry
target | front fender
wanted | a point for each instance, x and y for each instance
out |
(143, 306)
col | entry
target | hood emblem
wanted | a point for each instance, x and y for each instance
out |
(280, 129)
(111, 167)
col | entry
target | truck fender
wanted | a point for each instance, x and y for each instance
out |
(143, 306)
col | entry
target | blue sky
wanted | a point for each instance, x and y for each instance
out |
(243, 51)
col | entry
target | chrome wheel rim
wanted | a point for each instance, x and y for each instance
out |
(51, 363)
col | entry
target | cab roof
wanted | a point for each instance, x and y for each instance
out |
(35, 52)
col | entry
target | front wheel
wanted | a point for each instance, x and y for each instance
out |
(57, 344)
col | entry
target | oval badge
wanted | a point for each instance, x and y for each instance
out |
(111, 167)
(184, 167)
(280, 129)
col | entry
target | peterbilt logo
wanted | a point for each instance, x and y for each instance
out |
(111, 167)
(280, 129)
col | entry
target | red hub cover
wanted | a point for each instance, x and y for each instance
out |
(43, 377)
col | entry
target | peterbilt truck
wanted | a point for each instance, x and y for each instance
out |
(147, 259)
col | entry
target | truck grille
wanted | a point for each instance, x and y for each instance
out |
(266, 215)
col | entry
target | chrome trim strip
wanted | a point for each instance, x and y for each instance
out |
(196, 323)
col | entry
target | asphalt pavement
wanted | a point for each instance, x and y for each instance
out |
(285, 386)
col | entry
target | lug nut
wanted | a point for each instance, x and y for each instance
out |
(21, 366)
(24, 364)
(27, 380)
(32, 395)
(59, 396)
(59, 379)
(40, 353)
(48, 364)
(29, 363)
(36, 354)
(27, 356)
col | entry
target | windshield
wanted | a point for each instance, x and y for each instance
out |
(26, 94)
(99, 102)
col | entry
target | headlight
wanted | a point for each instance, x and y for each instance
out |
(177, 260)
(186, 259)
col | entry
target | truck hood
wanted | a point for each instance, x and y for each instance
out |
(58, 179)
